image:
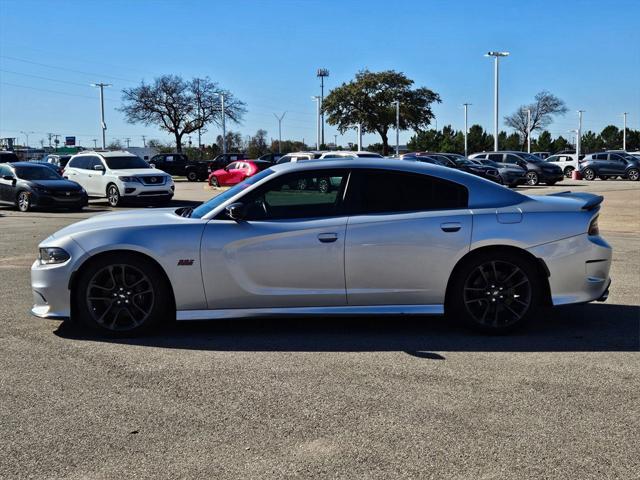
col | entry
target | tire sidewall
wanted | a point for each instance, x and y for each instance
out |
(162, 295)
(455, 305)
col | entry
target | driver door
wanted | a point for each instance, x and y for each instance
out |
(288, 251)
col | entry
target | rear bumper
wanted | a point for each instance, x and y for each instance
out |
(578, 268)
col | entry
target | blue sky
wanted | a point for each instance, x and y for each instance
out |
(267, 53)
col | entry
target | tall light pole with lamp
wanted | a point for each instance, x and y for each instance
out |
(322, 73)
(103, 125)
(316, 98)
(496, 56)
(466, 128)
(624, 131)
(397, 103)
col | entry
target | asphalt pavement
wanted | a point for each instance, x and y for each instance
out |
(324, 398)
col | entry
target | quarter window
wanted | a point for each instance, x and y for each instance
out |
(381, 191)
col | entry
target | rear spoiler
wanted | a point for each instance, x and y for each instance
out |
(591, 201)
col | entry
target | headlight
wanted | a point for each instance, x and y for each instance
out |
(40, 189)
(493, 173)
(51, 255)
(129, 179)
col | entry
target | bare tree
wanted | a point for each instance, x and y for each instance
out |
(545, 106)
(180, 107)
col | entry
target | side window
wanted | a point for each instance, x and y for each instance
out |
(4, 171)
(309, 194)
(512, 159)
(481, 156)
(405, 192)
(285, 159)
(496, 157)
(168, 158)
(79, 162)
(616, 158)
(232, 166)
(600, 156)
(555, 158)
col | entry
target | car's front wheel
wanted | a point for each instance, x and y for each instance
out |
(192, 176)
(568, 171)
(23, 201)
(113, 196)
(495, 292)
(213, 181)
(588, 174)
(532, 178)
(121, 294)
(633, 174)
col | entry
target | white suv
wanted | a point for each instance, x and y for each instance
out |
(119, 176)
(568, 162)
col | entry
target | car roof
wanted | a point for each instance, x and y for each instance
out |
(112, 153)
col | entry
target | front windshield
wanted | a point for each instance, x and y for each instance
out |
(218, 200)
(530, 158)
(37, 173)
(121, 163)
(463, 161)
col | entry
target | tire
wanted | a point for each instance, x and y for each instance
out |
(214, 182)
(113, 196)
(588, 174)
(324, 185)
(192, 176)
(23, 201)
(121, 294)
(633, 174)
(568, 171)
(495, 292)
(532, 178)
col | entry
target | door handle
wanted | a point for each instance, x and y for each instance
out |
(328, 237)
(450, 226)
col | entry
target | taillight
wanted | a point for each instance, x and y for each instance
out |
(593, 227)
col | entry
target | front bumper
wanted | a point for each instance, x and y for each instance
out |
(55, 200)
(578, 267)
(50, 287)
(551, 177)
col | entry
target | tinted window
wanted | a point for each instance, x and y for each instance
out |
(555, 158)
(120, 163)
(4, 170)
(231, 166)
(600, 156)
(496, 157)
(37, 173)
(284, 159)
(482, 155)
(78, 162)
(513, 159)
(380, 191)
(299, 195)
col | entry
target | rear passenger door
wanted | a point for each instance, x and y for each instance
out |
(405, 234)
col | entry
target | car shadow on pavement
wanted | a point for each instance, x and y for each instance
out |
(578, 328)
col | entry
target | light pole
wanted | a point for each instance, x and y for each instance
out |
(466, 129)
(26, 135)
(335, 141)
(280, 130)
(322, 72)
(579, 140)
(528, 130)
(144, 140)
(316, 98)
(496, 56)
(359, 129)
(397, 102)
(102, 124)
(95, 143)
(224, 128)
(624, 131)
(575, 132)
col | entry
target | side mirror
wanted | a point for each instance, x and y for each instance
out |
(99, 168)
(236, 211)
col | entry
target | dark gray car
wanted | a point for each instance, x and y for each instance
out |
(537, 170)
(609, 165)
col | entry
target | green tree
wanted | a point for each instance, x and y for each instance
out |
(544, 142)
(369, 100)
(590, 142)
(258, 144)
(543, 109)
(611, 137)
(478, 140)
(560, 143)
(234, 142)
(178, 106)
(512, 142)
(425, 141)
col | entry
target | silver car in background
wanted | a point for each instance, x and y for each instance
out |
(366, 237)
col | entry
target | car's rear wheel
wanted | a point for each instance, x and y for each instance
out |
(213, 181)
(633, 174)
(568, 171)
(495, 292)
(532, 178)
(121, 294)
(23, 201)
(113, 196)
(192, 176)
(588, 174)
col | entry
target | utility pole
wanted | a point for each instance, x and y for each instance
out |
(466, 129)
(322, 72)
(496, 72)
(359, 127)
(50, 136)
(56, 141)
(280, 130)
(579, 140)
(26, 134)
(95, 143)
(224, 129)
(335, 141)
(397, 102)
(144, 141)
(317, 100)
(624, 131)
(528, 130)
(127, 140)
(102, 124)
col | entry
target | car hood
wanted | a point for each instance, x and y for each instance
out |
(128, 219)
(56, 185)
(137, 172)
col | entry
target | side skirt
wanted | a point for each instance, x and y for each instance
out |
(350, 310)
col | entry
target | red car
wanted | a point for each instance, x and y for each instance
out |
(236, 172)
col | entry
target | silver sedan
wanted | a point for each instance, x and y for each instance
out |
(331, 237)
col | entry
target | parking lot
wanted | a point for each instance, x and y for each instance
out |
(324, 398)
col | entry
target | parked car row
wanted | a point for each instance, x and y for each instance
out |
(536, 170)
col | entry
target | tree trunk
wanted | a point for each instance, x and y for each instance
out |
(178, 142)
(385, 143)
